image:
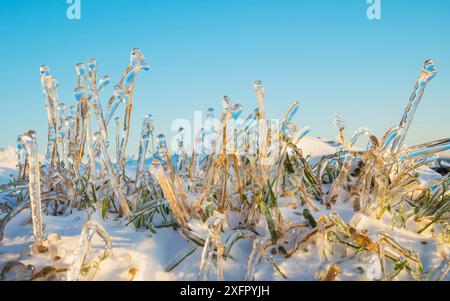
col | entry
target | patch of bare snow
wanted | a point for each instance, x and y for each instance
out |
(8, 161)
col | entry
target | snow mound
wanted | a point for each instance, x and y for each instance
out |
(8, 157)
(8, 161)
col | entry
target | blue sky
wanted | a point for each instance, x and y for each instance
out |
(325, 53)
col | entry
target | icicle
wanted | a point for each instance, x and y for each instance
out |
(29, 140)
(115, 185)
(89, 229)
(213, 245)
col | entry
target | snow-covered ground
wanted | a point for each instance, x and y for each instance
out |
(137, 251)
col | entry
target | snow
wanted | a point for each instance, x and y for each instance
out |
(149, 254)
(8, 159)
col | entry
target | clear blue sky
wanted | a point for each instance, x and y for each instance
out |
(325, 53)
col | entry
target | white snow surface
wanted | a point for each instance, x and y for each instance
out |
(8, 161)
(149, 255)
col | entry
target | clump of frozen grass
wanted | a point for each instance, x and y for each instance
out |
(235, 181)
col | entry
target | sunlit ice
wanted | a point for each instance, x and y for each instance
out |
(238, 181)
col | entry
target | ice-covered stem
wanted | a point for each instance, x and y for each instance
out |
(70, 141)
(263, 144)
(95, 104)
(49, 84)
(126, 84)
(389, 248)
(146, 132)
(329, 273)
(34, 182)
(89, 229)
(259, 90)
(169, 190)
(161, 149)
(248, 125)
(117, 140)
(90, 145)
(80, 120)
(358, 134)
(114, 102)
(425, 149)
(226, 115)
(62, 133)
(339, 122)
(213, 245)
(428, 73)
(256, 254)
(290, 136)
(198, 152)
(95, 89)
(181, 157)
(21, 159)
(115, 185)
(162, 155)
(301, 134)
(288, 128)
